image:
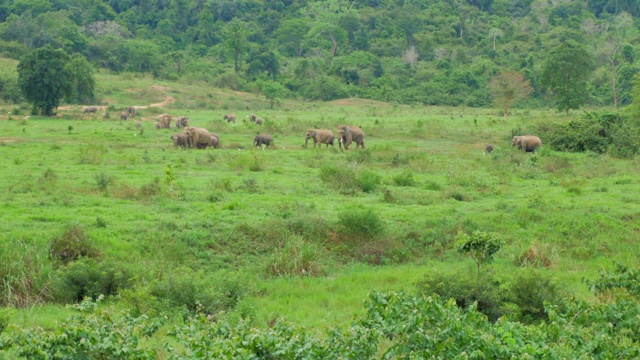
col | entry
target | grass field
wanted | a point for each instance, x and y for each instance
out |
(289, 232)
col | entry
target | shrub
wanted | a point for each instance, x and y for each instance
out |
(342, 178)
(88, 278)
(25, 273)
(103, 181)
(71, 245)
(530, 290)
(404, 179)
(295, 257)
(360, 222)
(368, 181)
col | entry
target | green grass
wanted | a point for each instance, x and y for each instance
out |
(235, 210)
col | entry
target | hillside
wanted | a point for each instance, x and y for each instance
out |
(435, 53)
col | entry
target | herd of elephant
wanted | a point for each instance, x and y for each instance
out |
(200, 138)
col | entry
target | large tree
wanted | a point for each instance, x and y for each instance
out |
(566, 71)
(45, 78)
(507, 88)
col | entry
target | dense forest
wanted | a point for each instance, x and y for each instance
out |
(442, 52)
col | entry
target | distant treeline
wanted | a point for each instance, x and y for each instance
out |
(441, 52)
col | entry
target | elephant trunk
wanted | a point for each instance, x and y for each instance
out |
(306, 140)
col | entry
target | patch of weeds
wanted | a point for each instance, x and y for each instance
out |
(368, 181)
(399, 160)
(232, 206)
(404, 179)
(151, 188)
(360, 156)
(88, 278)
(574, 186)
(342, 178)
(55, 147)
(432, 185)
(71, 245)
(222, 184)
(360, 222)
(456, 195)
(536, 255)
(103, 181)
(145, 157)
(92, 154)
(295, 257)
(388, 197)
(215, 196)
(257, 164)
(250, 184)
(100, 222)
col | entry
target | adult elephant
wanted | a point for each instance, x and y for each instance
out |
(164, 121)
(230, 118)
(131, 110)
(319, 136)
(261, 139)
(124, 116)
(197, 137)
(349, 134)
(528, 143)
(180, 139)
(89, 109)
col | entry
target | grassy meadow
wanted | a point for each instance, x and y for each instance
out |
(288, 232)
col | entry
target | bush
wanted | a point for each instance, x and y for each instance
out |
(530, 290)
(296, 257)
(88, 278)
(360, 223)
(25, 273)
(71, 245)
(342, 178)
(368, 181)
(404, 179)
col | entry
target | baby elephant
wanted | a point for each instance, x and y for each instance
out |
(527, 143)
(265, 139)
(182, 122)
(319, 136)
(179, 139)
(124, 116)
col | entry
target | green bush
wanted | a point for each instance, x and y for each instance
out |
(342, 178)
(72, 245)
(295, 257)
(404, 179)
(25, 273)
(530, 290)
(360, 222)
(88, 278)
(369, 181)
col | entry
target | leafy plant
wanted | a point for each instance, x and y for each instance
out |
(480, 246)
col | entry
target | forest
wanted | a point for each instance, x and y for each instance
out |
(408, 52)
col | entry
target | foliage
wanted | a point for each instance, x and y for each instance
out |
(88, 278)
(566, 72)
(508, 88)
(25, 274)
(360, 222)
(72, 245)
(44, 78)
(295, 257)
(599, 132)
(621, 278)
(480, 246)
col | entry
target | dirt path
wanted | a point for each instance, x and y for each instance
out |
(166, 100)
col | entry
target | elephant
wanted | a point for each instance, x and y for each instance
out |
(215, 141)
(197, 137)
(164, 122)
(182, 122)
(230, 118)
(488, 149)
(319, 136)
(265, 139)
(253, 117)
(259, 121)
(89, 109)
(528, 143)
(124, 116)
(131, 110)
(138, 124)
(348, 134)
(179, 139)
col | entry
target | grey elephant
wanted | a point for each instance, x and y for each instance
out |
(89, 109)
(259, 121)
(214, 141)
(528, 143)
(180, 139)
(349, 134)
(182, 122)
(164, 121)
(124, 116)
(319, 136)
(261, 139)
(230, 118)
(131, 110)
(253, 117)
(198, 138)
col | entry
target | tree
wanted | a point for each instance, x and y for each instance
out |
(82, 82)
(509, 87)
(273, 91)
(566, 72)
(44, 78)
(615, 33)
(235, 34)
(480, 246)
